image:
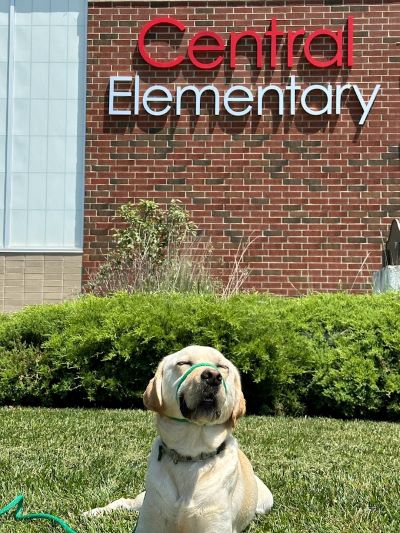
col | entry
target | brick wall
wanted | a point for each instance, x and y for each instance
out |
(318, 192)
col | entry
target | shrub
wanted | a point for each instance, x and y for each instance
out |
(156, 250)
(334, 355)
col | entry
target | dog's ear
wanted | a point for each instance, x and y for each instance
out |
(152, 397)
(239, 408)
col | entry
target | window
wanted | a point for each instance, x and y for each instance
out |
(42, 120)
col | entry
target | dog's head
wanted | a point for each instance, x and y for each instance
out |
(199, 384)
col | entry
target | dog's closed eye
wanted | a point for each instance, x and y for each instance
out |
(183, 363)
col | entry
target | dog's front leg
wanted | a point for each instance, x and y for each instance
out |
(123, 503)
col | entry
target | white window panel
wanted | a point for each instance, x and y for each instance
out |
(18, 225)
(72, 223)
(43, 182)
(38, 121)
(20, 189)
(2, 195)
(3, 77)
(40, 80)
(22, 79)
(36, 191)
(4, 18)
(36, 230)
(3, 129)
(41, 11)
(56, 153)
(74, 74)
(55, 195)
(22, 108)
(23, 43)
(57, 119)
(2, 183)
(71, 193)
(40, 43)
(20, 161)
(37, 155)
(59, 43)
(58, 81)
(2, 152)
(73, 111)
(1, 215)
(3, 37)
(54, 227)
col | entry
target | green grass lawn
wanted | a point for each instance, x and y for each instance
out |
(325, 475)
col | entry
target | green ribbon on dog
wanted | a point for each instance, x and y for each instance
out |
(193, 367)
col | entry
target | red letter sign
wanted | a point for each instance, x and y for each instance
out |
(194, 47)
(142, 36)
(337, 59)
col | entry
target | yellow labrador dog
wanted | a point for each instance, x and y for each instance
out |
(198, 480)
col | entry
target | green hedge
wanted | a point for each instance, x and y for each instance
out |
(329, 354)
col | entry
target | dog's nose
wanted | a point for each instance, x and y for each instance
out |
(211, 377)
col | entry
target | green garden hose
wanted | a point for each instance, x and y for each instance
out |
(17, 504)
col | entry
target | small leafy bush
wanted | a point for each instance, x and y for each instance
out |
(332, 354)
(155, 250)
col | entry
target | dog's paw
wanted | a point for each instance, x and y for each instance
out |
(265, 499)
(98, 511)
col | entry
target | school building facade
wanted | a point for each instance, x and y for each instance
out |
(276, 120)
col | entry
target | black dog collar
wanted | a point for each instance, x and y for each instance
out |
(178, 458)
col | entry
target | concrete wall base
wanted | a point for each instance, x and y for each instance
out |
(27, 279)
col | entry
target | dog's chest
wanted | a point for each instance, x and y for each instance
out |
(197, 484)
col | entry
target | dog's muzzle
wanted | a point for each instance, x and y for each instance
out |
(207, 406)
